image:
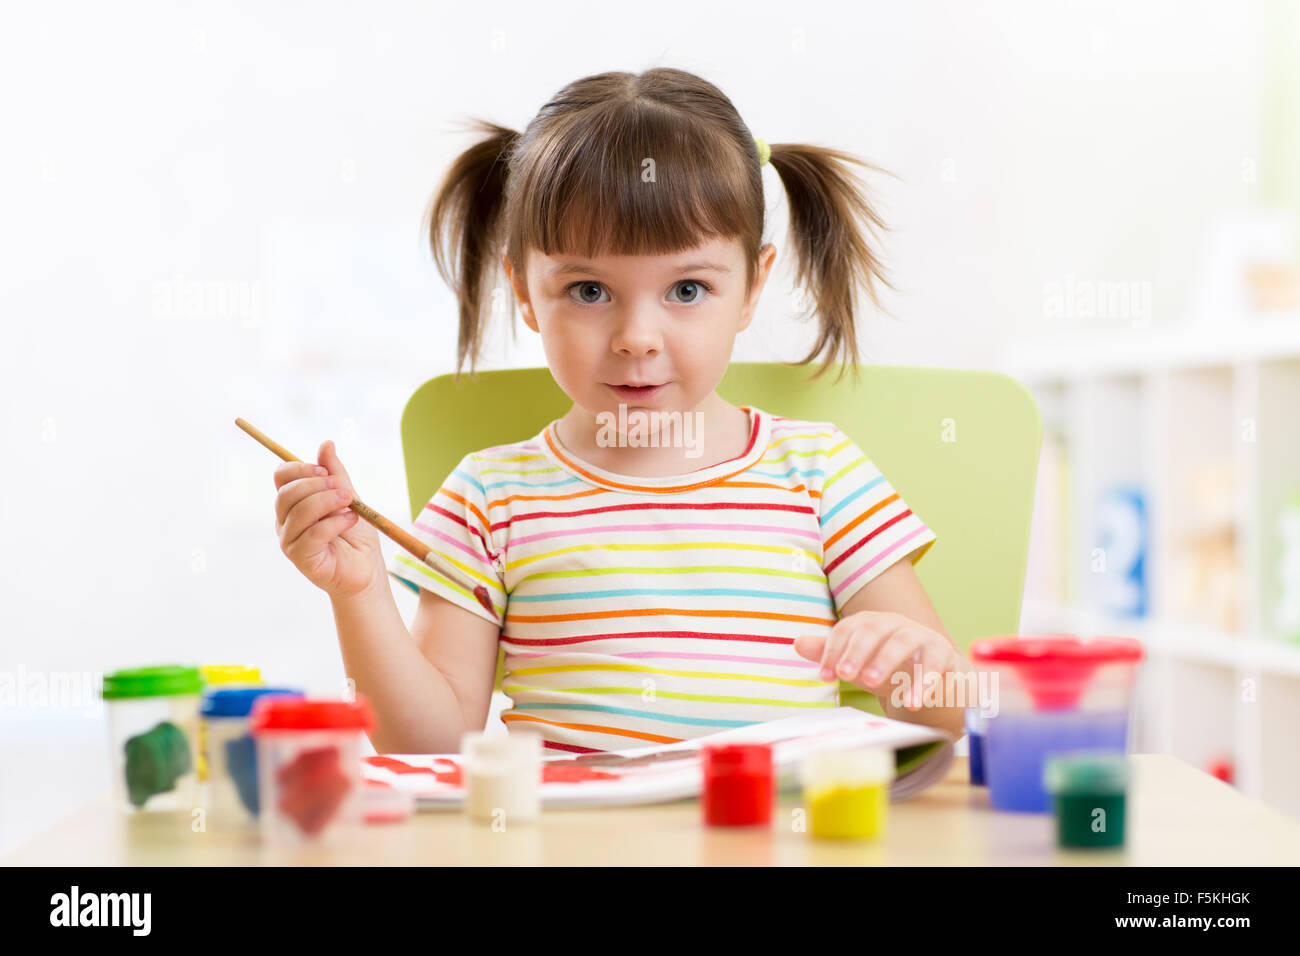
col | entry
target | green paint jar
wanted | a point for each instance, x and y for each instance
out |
(153, 721)
(1088, 797)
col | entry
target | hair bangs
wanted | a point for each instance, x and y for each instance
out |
(633, 184)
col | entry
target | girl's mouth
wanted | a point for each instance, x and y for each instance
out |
(638, 393)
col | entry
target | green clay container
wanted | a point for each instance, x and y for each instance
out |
(153, 727)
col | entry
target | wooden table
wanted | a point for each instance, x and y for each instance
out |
(1177, 816)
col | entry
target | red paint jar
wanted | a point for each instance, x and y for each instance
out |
(738, 784)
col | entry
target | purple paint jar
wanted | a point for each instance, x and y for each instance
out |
(1051, 694)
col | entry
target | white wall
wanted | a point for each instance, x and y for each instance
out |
(280, 155)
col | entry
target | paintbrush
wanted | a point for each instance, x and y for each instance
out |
(392, 531)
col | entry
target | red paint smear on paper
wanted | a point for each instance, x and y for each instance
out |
(559, 773)
(444, 771)
(447, 771)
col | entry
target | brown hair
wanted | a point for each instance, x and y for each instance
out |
(574, 182)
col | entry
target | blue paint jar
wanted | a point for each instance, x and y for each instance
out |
(975, 724)
(230, 797)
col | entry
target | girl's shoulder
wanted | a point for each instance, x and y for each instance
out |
(512, 467)
(515, 447)
(513, 455)
(805, 435)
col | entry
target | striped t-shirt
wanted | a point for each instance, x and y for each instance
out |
(640, 610)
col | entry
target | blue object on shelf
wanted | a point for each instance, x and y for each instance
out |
(1123, 539)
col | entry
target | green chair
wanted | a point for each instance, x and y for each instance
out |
(960, 446)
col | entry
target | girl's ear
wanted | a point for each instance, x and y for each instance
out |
(766, 256)
(521, 293)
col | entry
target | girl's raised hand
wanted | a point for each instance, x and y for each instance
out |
(324, 538)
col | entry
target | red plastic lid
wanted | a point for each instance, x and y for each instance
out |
(731, 758)
(305, 713)
(1056, 668)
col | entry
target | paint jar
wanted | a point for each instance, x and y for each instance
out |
(847, 791)
(219, 675)
(1051, 694)
(153, 721)
(739, 784)
(309, 767)
(975, 722)
(230, 794)
(1088, 796)
(503, 774)
(234, 675)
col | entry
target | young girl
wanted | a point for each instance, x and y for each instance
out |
(662, 564)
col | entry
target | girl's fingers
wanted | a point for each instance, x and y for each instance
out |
(836, 641)
(810, 646)
(329, 458)
(873, 622)
(310, 510)
(298, 490)
(862, 646)
(935, 658)
(324, 531)
(288, 471)
(895, 654)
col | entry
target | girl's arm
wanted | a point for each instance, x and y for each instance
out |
(899, 590)
(427, 686)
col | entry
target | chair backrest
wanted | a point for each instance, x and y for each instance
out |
(960, 446)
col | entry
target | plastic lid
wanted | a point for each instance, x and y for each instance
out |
(230, 674)
(832, 767)
(299, 713)
(164, 681)
(238, 701)
(1056, 668)
(1086, 771)
(737, 758)
(477, 745)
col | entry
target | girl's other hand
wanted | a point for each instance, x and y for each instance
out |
(870, 647)
(324, 538)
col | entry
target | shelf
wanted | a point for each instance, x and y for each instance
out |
(1071, 357)
(1170, 638)
(1197, 426)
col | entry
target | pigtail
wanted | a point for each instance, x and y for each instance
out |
(831, 221)
(463, 223)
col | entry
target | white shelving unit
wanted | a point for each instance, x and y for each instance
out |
(1205, 423)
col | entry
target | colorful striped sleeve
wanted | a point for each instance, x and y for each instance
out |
(866, 525)
(455, 525)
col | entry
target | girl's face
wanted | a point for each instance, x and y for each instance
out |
(668, 321)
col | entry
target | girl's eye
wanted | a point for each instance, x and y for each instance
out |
(698, 289)
(583, 288)
(695, 291)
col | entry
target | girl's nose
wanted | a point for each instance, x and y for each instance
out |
(639, 334)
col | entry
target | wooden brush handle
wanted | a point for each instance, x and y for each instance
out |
(395, 533)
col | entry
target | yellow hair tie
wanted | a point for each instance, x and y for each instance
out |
(764, 151)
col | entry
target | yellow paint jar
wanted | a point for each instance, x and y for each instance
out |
(222, 675)
(847, 792)
(234, 674)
